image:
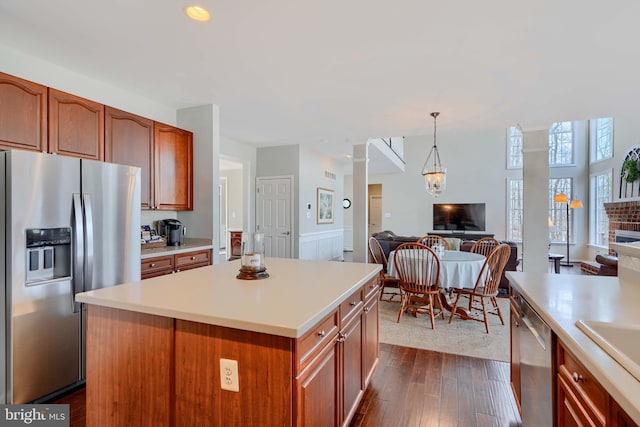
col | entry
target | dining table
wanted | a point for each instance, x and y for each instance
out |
(458, 269)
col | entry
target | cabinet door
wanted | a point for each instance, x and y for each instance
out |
(76, 126)
(129, 141)
(370, 338)
(317, 390)
(570, 412)
(352, 380)
(23, 114)
(619, 418)
(173, 168)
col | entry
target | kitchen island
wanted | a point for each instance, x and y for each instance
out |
(305, 341)
(562, 300)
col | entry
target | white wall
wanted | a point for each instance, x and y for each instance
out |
(201, 222)
(56, 76)
(235, 205)
(245, 154)
(475, 174)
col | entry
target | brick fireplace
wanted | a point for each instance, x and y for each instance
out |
(623, 216)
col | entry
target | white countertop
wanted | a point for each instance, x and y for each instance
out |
(190, 244)
(562, 299)
(296, 296)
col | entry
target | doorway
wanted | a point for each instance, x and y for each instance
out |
(231, 214)
(375, 208)
(274, 214)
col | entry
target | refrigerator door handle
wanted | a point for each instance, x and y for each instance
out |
(88, 248)
(77, 284)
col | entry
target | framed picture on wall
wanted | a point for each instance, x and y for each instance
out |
(325, 206)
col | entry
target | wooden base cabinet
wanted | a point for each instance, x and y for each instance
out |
(316, 380)
(169, 264)
(581, 399)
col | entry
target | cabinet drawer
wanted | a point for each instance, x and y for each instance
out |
(351, 306)
(593, 396)
(151, 265)
(199, 257)
(316, 338)
(371, 288)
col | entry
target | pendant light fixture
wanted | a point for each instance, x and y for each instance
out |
(435, 176)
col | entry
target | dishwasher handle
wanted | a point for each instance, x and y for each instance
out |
(533, 322)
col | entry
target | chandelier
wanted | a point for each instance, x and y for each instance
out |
(435, 176)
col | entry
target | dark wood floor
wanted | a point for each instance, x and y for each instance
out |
(413, 387)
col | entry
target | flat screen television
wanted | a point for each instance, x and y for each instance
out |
(459, 216)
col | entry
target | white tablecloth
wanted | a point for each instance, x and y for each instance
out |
(458, 269)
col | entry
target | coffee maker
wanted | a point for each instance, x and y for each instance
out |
(172, 229)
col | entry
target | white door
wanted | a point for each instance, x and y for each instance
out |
(375, 214)
(274, 208)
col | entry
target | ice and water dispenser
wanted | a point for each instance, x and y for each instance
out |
(48, 254)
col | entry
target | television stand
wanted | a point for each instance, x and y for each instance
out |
(463, 235)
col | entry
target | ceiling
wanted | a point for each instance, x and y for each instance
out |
(333, 73)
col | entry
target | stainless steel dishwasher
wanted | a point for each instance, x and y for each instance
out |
(535, 369)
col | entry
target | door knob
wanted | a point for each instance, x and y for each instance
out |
(286, 233)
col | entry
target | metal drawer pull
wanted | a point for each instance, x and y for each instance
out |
(153, 264)
(577, 377)
(192, 258)
(366, 309)
(321, 333)
(353, 303)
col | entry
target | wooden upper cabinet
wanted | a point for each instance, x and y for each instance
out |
(173, 169)
(129, 141)
(76, 126)
(23, 114)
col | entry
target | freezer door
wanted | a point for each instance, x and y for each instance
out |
(43, 333)
(111, 202)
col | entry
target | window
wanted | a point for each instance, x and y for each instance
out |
(514, 148)
(516, 209)
(558, 211)
(601, 139)
(601, 193)
(561, 144)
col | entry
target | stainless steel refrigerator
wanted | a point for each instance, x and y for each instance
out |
(66, 225)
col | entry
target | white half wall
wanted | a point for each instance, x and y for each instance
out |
(322, 245)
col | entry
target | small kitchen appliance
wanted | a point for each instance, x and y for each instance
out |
(172, 228)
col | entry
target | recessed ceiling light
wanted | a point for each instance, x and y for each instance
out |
(197, 13)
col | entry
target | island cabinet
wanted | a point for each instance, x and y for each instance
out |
(173, 168)
(174, 378)
(129, 141)
(23, 114)
(76, 126)
(169, 264)
(336, 361)
(581, 399)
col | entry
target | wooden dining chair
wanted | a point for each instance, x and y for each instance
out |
(432, 239)
(418, 269)
(378, 257)
(484, 246)
(486, 287)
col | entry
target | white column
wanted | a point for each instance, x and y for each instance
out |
(360, 202)
(535, 171)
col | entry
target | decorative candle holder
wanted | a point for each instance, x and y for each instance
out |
(252, 260)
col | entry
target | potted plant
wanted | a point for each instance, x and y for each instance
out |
(630, 170)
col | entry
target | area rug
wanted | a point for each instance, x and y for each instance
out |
(463, 337)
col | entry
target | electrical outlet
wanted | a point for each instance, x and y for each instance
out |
(229, 375)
